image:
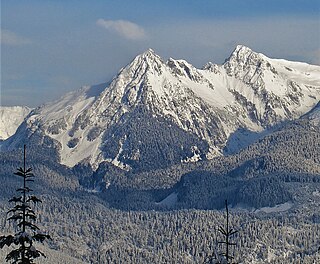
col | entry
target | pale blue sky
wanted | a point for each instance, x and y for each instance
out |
(51, 47)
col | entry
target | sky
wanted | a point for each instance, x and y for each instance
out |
(51, 47)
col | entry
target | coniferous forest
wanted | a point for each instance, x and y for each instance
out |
(112, 217)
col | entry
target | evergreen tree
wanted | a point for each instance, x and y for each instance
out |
(227, 233)
(24, 217)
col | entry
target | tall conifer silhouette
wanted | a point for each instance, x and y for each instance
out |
(24, 218)
(227, 232)
(225, 257)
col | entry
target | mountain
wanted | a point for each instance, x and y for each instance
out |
(11, 118)
(141, 132)
(283, 89)
(274, 170)
(155, 114)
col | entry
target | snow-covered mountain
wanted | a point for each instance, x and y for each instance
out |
(11, 118)
(159, 113)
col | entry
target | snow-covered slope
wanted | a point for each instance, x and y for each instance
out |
(274, 89)
(314, 115)
(148, 108)
(10, 118)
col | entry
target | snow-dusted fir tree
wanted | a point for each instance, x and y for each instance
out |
(24, 218)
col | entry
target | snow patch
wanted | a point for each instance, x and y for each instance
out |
(275, 209)
(169, 201)
(195, 157)
(116, 162)
(316, 193)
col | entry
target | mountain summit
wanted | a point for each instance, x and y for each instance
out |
(155, 113)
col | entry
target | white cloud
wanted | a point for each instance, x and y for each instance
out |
(123, 28)
(11, 39)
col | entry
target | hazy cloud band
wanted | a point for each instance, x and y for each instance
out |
(11, 39)
(126, 29)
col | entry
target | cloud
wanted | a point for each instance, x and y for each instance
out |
(11, 39)
(123, 28)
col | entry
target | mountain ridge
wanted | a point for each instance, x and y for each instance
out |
(249, 91)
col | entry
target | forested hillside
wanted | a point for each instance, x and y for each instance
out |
(279, 174)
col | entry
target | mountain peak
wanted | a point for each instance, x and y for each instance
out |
(242, 59)
(148, 61)
(149, 54)
(145, 60)
(241, 54)
(149, 51)
(242, 49)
